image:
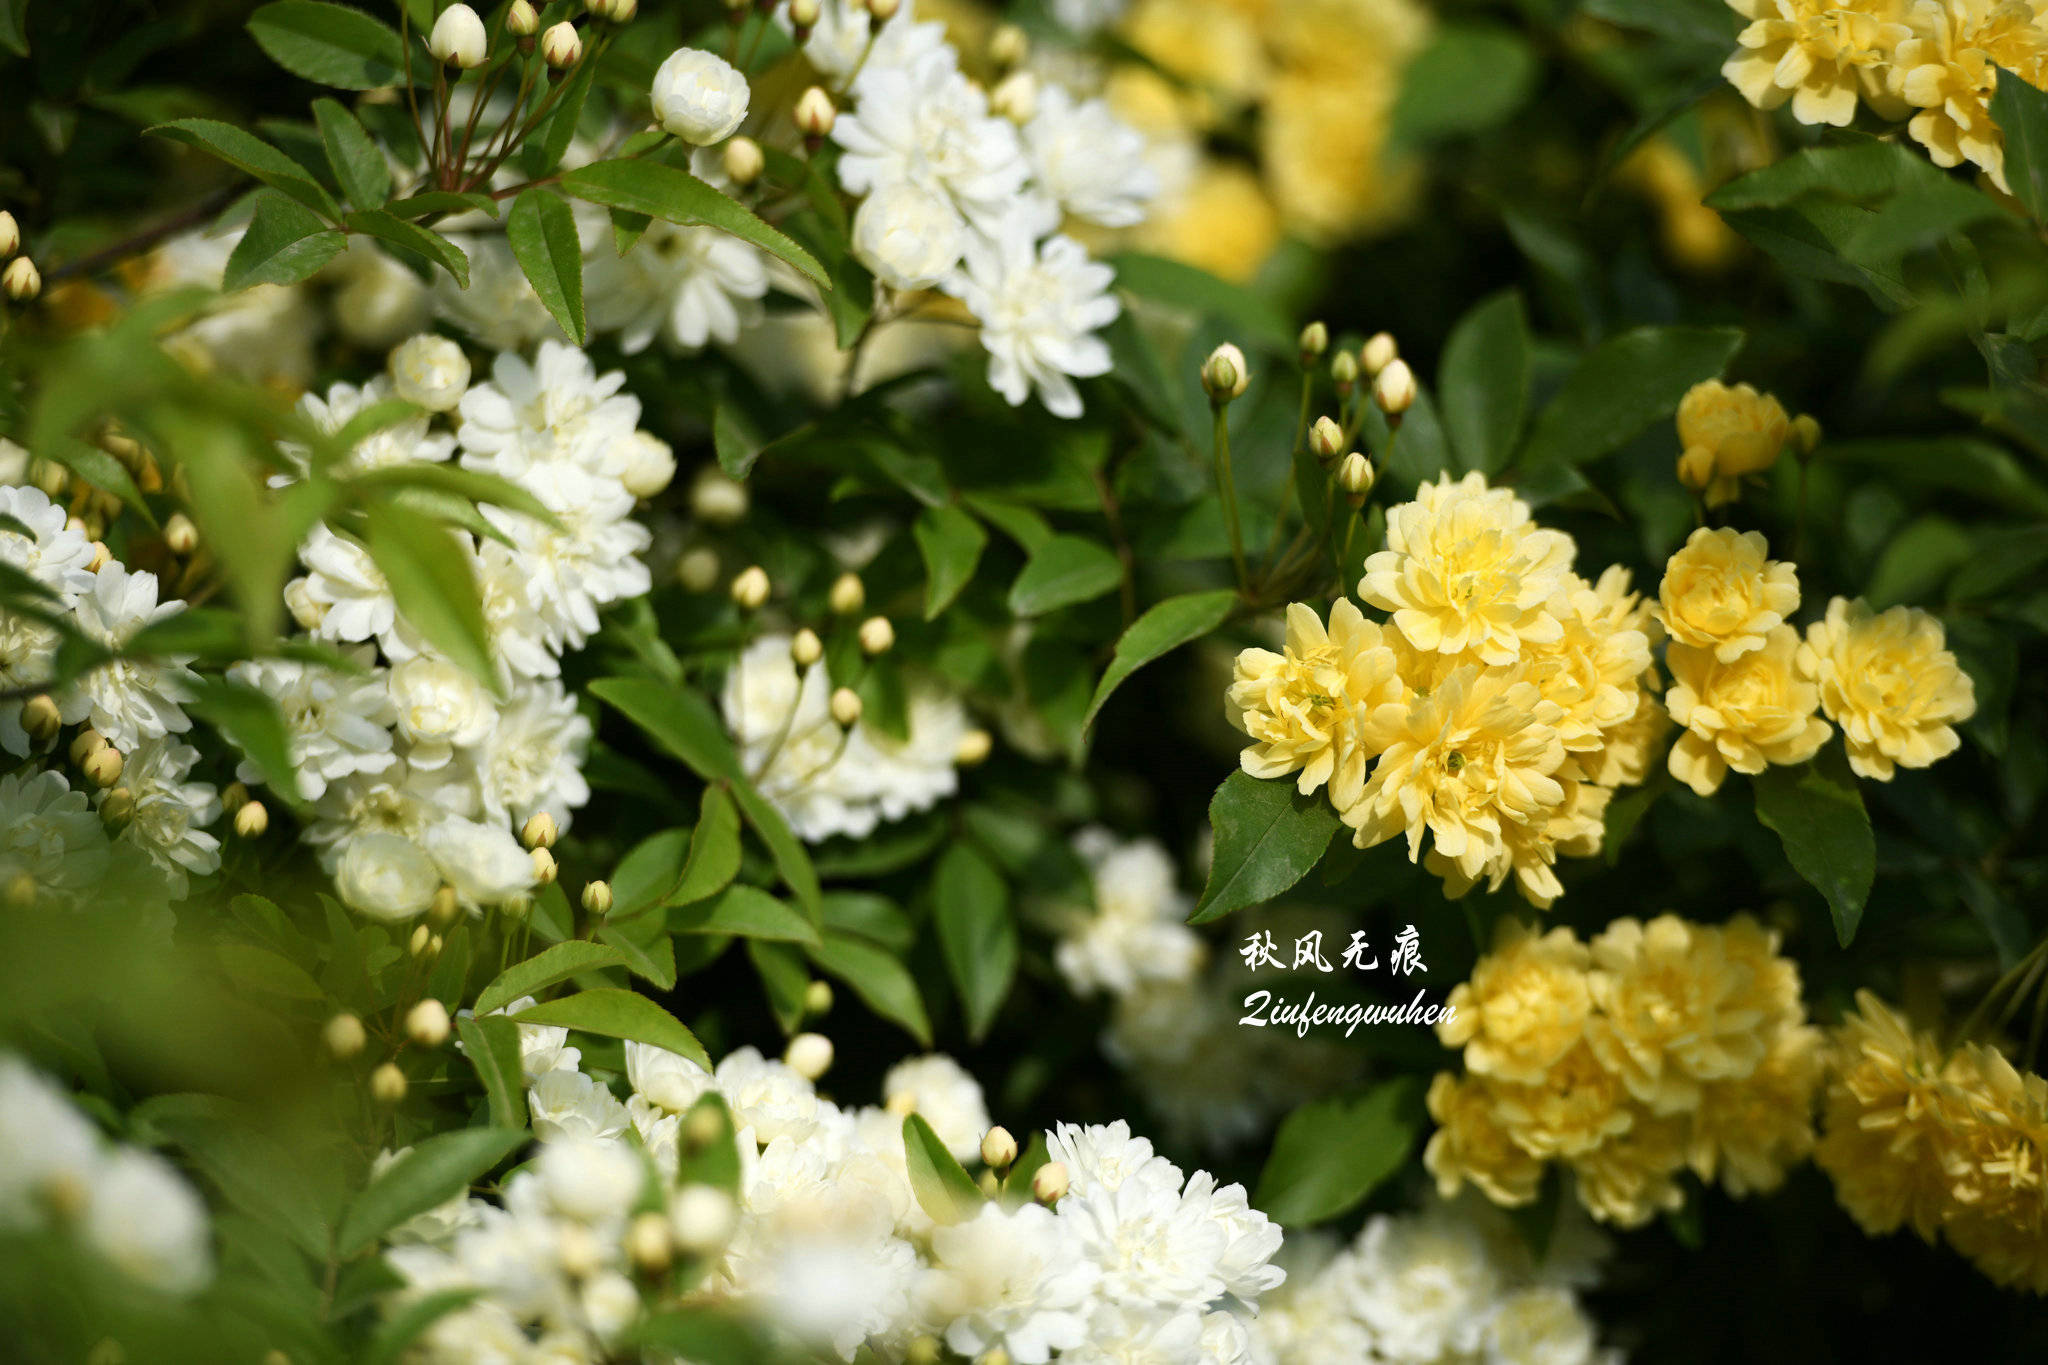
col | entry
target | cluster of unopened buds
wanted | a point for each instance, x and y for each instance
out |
(19, 280)
(460, 40)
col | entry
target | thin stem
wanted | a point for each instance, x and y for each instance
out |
(1226, 488)
(1799, 526)
(412, 97)
(1287, 484)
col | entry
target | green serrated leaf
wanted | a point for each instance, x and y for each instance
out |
(675, 196)
(423, 242)
(1330, 1154)
(1817, 813)
(1064, 570)
(549, 966)
(358, 163)
(743, 911)
(614, 1013)
(436, 1170)
(492, 1046)
(285, 243)
(977, 933)
(542, 231)
(1623, 385)
(251, 154)
(1164, 627)
(1268, 836)
(329, 44)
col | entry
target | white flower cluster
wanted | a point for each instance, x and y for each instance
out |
(1451, 1284)
(827, 1242)
(826, 778)
(958, 197)
(419, 774)
(131, 1207)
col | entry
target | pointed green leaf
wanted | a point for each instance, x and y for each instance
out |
(614, 1013)
(1623, 385)
(675, 196)
(542, 231)
(434, 582)
(571, 957)
(878, 977)
(358, 162)
(1164, 627)
(942, 1186)
(285, 243)
(251, 154)
(1817, 813)
(492, 1045)
(436, 1170)
(746, 912)
(424, 242)
(1330, 1154)
(951, 542)
(1064, 570)
(329, 44)
(1485, 381)
(1267, 838)
(977, 933)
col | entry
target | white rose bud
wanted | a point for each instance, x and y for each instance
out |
(306, 610)
(1315, 339)
(41, 718)
(910, 237)
(522, 20)
(561, 47)
(623, 11)
(90, 739)
(1344, 372)
(815, 113)
(252, 820)
(750, 589)
(743, 161)
(422, 941)
(387, 1084)
(539, 831)
(717, 497)
(385, 876)
(103, 766)
(427, 1023)
(1224, 374)
(10, 235)
(649, 1243)
(21, 279)
(484, 863)
(1394, 388)
(703, 1218)
(117, 808)
(649, 464)
(431, 371)
(1049, 1183)
(699, 96)
(846, 705)
(1355, 476)
(1326, 439)
(544, 869)
(697, 570)
(597, 898)
(181, 537)
(1377, 353)
(344, 1036)
(848, 595)
(803, 14)
(458, 38)
(809, 1055)
(877, 635)
(973, 748)
(1015, 97)
(806, 648)
(998, 1148)
(884, 10)
(818, 998)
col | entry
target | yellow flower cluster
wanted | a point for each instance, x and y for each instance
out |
(1654, 1048)
(1935, 62)
(1495, 712)
(1952, 1144)
(1729, 433)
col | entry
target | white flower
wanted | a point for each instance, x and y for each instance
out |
(399, 800)
(556, 409)
(569, 1104)
(126, 700)
(1152, 1246)
(1012, 1278)
(262, 334)
(692, 284)
(147, 1219)
(1423, 1285)
(647, 464)
(335, 721)
(355, 600)
(699, 96)
(925, 123)
(406, 442)
(838, 45)
(767, 1096)
(1102, 1158)
(52, 1152)
(519, 641)
(1130, 1335)
(542, 1047)
(829, 1288)
(940, 1090)
(913, 773)
(1137, 933)
(54, 554)
(591, 560)
(431, 371)
(484, 863)
(377, 301)
(908, 235)
(1539, 1326)
(591, 1180)
(438, 1225)
(170, 815)
(386, 876)
(50, 839)
(1094, 164)
(499, 310)
(1250, 1239)
(665, 1079)
(532, 756)
(1039, 307)
(440, 707)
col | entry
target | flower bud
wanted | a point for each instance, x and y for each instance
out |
(701, 1128)
(307, 611)
(421, 942)
(805, 648)
(973, 748)
(877, 635)
(1377, 353)
(1344, 372)
(815, 113)
(650, 1244)
(539, 831)
(458, 39)
(429, 370)
(1355, 476)
(803, 15)
(181, 537)
(703, 1218)
(427, 1023)
(597, 898)
(1315, 339)
(1049, 1183)
(1015, 97)
(697, 570)
(40, 717)
(924, 1351)
(561, 47)
(10, 235)
(21, 279)
(117, 808)
(699, 97)
(848, 594)
(233, 796)
(545, 869)
(90, 739)
(809, 1055)
(884, 10)
(1326, 439)
(1805, 435)
(717, 497)
(445, 906)
(20, 891)
(846, 705)
(103, 766)
(344, 1036)
(521, 19)
(743, 161)
(1394, 388)
(1008, 47)
(623, 11)
(434, 944)
(818, 999)
(599, 9)
(750, 589)
(101, 557)
(387, 1084)
(998, 1148)
(1225, 374)
(252, 820)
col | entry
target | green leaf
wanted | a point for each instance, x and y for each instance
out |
(572, 957)
(436, 1170)
(1268, 836)
(615, 1013)
(1255, 319)
(1819, 817)
(785, 979)
(1860, 170)
(542, 231)
(1471, 77)
(747, 912)
(977, 933)
(1065, 570)
(1626, 383)
(942, 1186)
(951, 542)
(1703, 23)
(881, 980)
(737, 443)
(434, 583)
(1485, 381)
(492, 1045)
(676, 196)
(409, 1320)
(286, 243)
(250, 720)
(704, 1336)
(329, 44)
(1330, 1154)
(1164, 627)
(424, 242)
(251, 154)
(358, 162)
(644, 945)
(714, 850)
(13, 33)
(2021, 113)
(649, 871)
(562, 124)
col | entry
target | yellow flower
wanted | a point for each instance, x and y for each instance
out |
(1577, 1105)
(1675, 1010)
(1472, 755)
(1591, 670)
(1306, 707)
(1820, 54)
(1631, 747)
(1751, 1131)
(1725, 434)
(1221, 220)
(1746, 715)
(1524, 1008)
(1890, 683)
(1628, 1181)
(1466, 568)
(1530, 850)
(1722, 591)
(1210, 46)
(1948, 68)
(1323, 143)
(1470, 1145)
(1771, 986)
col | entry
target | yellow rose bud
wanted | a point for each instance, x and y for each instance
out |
(846, 705)
(597, 898)
(1377, 353)
(848, 595)
(805, 648)
(751, 588)
(877, 635)
(539, 831)
(998, 1148)
(743, 160)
